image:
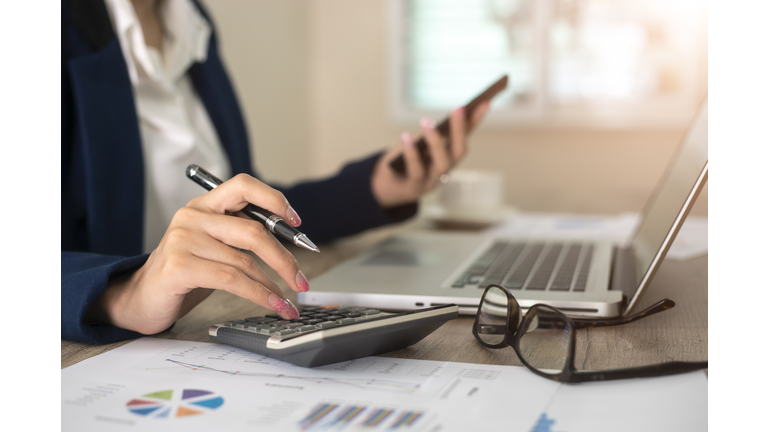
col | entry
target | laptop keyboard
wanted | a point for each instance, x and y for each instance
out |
(530, 266)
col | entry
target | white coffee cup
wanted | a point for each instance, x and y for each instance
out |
(468, 192)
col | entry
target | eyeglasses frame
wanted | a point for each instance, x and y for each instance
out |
(569, 373)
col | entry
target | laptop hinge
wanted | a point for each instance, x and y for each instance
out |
(623, 273)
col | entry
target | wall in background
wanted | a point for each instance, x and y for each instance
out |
(313, 80)
(265, 48)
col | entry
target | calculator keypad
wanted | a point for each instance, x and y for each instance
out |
(310, 319)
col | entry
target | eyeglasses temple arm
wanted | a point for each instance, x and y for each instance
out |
(656, 308)
(661, 369)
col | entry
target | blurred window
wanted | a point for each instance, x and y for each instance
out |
(597, 62)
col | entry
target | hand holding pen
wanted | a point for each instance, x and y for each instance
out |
(275, 223)
(202, 250)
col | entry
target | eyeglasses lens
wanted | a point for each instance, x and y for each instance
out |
(545, 339)
(492, 317)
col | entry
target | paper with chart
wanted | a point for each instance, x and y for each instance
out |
(157, 384)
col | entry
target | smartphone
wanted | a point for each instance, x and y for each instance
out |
(444, 128)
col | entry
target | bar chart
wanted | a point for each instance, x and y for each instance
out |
(328, 416)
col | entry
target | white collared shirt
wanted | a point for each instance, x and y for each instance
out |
(174, 125)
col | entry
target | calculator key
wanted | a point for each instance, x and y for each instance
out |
(233, 322)
(346, 321)
(306, 328)
(281, 322)
(285, 332)
(293, 325)
(333, 317)
(255, 327)
(354, 315)
(314, 321)
(322, 315)
(371, 312)
(327, 324)
(267, 330)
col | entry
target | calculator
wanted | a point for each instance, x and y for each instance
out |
(331, 334)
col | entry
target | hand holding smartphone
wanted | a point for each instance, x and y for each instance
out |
(444, 128)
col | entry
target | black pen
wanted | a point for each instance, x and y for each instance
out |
(273, 222)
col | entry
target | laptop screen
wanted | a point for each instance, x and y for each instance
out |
(671, 202)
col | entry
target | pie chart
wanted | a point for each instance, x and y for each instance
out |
(175, 403)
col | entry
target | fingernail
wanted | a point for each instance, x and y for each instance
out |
(427, 123)
(461, 110)
(284, 306)
(301, 281)
(293, 218)
(405, 137)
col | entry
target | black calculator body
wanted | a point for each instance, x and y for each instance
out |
(324, 335)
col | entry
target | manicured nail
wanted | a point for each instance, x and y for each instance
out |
(301, 281)
(427, 123)
(284, 306)
(405, 137)
(460, 110)
(293, 218)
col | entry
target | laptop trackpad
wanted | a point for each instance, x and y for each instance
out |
(400, 258)
(416, 263)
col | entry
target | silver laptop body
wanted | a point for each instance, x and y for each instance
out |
(421, 269)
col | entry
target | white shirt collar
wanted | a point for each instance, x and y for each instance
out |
(186, 39)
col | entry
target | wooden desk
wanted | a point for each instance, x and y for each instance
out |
(676, 334)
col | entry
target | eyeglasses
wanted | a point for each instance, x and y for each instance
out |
(545, 341)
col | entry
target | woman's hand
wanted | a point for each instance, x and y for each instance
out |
(391, 189)
(199, 253)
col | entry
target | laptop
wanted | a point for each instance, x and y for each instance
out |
(583, 278)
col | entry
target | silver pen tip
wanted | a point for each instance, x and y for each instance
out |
(303, 241)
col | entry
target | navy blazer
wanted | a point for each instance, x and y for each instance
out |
(102, 167)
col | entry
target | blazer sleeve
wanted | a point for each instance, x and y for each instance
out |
(84, 278)
(343, 204)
